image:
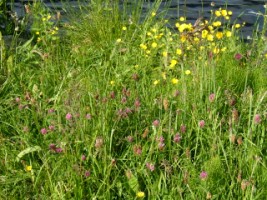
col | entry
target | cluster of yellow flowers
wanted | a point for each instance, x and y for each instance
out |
(170, 49)
(223, 13)
(204, 30)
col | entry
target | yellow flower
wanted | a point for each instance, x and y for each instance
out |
(177, 25)
(112, 82)
(154, 30)
(154, 45)
(219, 35)
(196, 39)
(210, 28)
(230, 12)
(148, 51)
(182, 19)
(227, 17)
(48, 17)
(218, 13)
(187, 72)
(265, 55)
(183, 27)
(228, 33)
(183, 38)
(153, 14)
(237, 26)
(223, 49)
(143, 46)
(224, 13)
(124, 28)
(179, 51)
(210, 37)
(173, 63)
(148, 33)
(156, 82)
(216, 50)
(37, 33)
(163, 75)
(217, 24)
(204, 33)
(118, 40)
(174, 81)
(140, 194)
(28, 168)
(165, 53)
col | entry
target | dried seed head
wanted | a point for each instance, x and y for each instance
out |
(145, 133)
(232, 138)
(235, 115)
(239, 140)
(165, 104)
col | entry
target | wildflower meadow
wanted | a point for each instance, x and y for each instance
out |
(115, 103)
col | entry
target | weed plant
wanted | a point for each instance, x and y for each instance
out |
(113, 105)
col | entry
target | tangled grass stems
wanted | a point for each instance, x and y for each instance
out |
(115, 108)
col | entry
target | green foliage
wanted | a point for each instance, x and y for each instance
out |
(117, 109)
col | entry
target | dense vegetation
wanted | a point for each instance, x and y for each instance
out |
(106, 107)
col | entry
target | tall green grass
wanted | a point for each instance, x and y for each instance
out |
(107, 108)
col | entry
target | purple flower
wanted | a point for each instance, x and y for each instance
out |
(123, 100)
(59, 150)
(212, 97)
(112, 95)
(183, 128)
(51, 127)
(160, 139)
(137, 103)
(156, 123)
(21, 106)
(238, 56)
(44, 131)
(87, 174)
(161, 145)
(128, 110)
(150, 167)
(52, 147)
(137, 149)
(51, 110)
(177, 138)
(203, 175)
(68, 116)
(88, 116)
(83, 157)
(129, 138)
(257, 119)
(17, 99)
(201, 123)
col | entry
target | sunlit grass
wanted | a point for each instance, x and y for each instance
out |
(107, 107)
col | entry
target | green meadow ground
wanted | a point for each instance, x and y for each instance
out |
(106, 107)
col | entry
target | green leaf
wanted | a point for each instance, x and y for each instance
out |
(133, 183)
(27, 151)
